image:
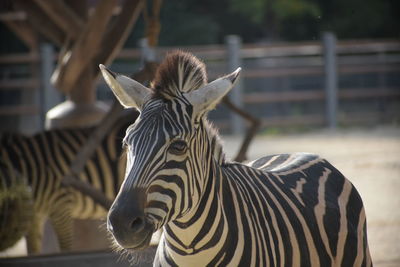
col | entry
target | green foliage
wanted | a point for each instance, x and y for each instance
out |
(257, 10)
(289, 8)
(361, 18)
(204, 22)
(193, 22)
(184, 24)
(254, 9)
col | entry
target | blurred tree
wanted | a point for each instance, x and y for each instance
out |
(191, 22)
(305, 19)
(206, 22)
(271, 14)
(361, 18)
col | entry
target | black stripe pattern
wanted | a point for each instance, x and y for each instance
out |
(280, 210)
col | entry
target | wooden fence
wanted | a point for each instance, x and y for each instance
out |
(367, 71)
(283, 84)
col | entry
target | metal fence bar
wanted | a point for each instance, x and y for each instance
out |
(234, 59)
(331, 80)
(31, 122)
(147, 53)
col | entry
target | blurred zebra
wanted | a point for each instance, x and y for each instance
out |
(43, 159)
(281, 210)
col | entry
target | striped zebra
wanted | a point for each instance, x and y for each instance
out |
(280, 210)
(43, 159)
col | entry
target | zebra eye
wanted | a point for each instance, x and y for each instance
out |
(178, 147)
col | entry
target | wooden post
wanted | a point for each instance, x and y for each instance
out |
(331, 80)
(117, 33)
(234, 44)
(84, 49)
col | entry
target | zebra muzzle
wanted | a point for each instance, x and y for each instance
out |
(127, 222)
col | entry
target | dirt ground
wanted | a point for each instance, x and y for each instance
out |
(370, 158)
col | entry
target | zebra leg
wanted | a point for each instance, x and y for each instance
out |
(35, 234)
(61, 220)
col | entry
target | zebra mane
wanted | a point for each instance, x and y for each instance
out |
(180, 72)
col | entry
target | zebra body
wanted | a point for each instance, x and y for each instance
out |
(44, 159)
(272, 214)
(280, 210)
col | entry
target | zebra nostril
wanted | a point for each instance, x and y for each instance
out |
(137, 224)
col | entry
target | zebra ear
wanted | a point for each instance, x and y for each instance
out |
(207, 97)
(130, 93)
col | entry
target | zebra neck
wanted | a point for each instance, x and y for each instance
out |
(192, 240)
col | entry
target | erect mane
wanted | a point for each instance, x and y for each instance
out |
(180, 72)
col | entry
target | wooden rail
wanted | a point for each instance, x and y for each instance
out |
(19, 58)
(276, 61)
(318, 95)
(18, 84)
(298, 49)
(18, 110)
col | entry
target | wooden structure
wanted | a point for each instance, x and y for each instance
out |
(86, 36)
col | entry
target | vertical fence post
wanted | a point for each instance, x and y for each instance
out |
(50, 96)
(331, 79)
(30, 123)
(234, 44)
(382, 83)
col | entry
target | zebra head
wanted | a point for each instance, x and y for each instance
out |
(169, 148)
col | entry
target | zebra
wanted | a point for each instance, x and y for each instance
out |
(280, 210)
(42, 160)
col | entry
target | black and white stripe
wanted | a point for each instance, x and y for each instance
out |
(280, 210)
(43, 159)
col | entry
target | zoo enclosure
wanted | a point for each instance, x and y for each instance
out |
(283, 84)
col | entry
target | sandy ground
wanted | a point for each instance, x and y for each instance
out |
(370, 158)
